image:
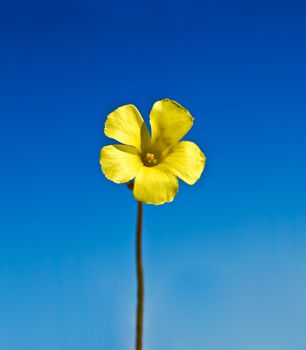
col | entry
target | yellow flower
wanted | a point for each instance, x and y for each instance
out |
(155, 162)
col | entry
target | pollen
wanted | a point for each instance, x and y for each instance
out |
(150, 159)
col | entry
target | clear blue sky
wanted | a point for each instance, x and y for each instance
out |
(225, 263)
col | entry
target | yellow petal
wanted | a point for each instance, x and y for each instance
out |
(120, 163)
(125, 124)
(153, 185)
(169, 123)
(186, 161)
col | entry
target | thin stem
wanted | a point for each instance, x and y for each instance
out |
(140, 280)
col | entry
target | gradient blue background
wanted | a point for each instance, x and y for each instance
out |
(225, 263)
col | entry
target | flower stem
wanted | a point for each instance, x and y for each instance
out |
(140, 280)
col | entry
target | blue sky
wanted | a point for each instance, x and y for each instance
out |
(225, 263)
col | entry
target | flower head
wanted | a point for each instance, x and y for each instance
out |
(156, 161)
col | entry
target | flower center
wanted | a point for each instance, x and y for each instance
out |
(150, 159)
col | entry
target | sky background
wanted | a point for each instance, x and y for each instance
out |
(225, 263)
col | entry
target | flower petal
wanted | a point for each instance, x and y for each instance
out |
(125, 124)
(186, 161)
(154, 185)
(120, 163)
(169, 123)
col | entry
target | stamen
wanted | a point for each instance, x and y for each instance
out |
(150, 159)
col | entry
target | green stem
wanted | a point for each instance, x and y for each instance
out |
(140, 280)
